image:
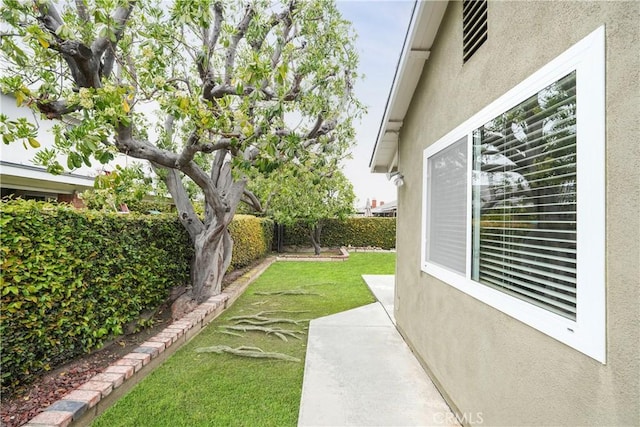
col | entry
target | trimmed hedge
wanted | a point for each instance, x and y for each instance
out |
(71, 279)
(375, 232)
(252, 237)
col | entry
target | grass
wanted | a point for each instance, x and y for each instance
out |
(207, 389)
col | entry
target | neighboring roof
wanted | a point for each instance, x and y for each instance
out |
(33, 178)
(423, 27)
(386, 207)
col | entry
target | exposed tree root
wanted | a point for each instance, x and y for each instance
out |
(264, 321)
(260, 319)
(266, 313)
(320, 284)
(245, 351)
(288, 292)
(279, 332)
(231, 333)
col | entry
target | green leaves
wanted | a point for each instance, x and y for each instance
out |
(296, 193)
(34, 32)
(357, 232)
(124, 185)
(19, 129)
(71, 279)
(74, 161)
(242, 76)
(251, 239)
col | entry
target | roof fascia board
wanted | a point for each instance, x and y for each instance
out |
(31, 172)
(425, 21)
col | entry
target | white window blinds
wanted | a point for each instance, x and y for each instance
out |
(524, 200)
(446, 205)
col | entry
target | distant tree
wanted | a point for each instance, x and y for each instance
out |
(237, 86)
(122, 186)
(303, 195)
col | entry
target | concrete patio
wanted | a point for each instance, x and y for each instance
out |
(360, 372)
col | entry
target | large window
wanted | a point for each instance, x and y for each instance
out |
(514, 201)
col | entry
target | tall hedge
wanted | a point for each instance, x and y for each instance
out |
(71, 279)
(252, 239)
(358, 232)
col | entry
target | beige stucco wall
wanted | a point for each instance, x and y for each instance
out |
(490, 366)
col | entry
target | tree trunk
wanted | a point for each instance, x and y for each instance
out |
(315, 237)
(212, 242)
(213, 248)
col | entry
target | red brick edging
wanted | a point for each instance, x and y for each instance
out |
(81, 406)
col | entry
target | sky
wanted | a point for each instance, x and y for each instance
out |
(381, 27)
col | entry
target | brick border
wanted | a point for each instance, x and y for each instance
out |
(82, 405)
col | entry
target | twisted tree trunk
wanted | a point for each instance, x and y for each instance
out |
(212, 258)
(213, 245)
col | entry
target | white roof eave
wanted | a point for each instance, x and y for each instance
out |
(425, 21)
(26, 177)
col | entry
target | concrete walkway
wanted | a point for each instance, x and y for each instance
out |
(360, 372)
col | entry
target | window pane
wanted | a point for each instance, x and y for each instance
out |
(524, 200)
(447, 207)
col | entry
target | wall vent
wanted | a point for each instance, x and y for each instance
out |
(474, 26)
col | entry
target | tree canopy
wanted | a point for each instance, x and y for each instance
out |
(297, 195)
(234, 86)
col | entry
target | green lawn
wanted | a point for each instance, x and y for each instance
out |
(207, 389)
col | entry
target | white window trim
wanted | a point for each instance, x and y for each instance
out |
(587, 333)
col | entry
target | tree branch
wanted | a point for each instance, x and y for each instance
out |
(189, 150)
(120, 18)
(233, 196)
(109, 60)
(144, 150)
(216, 166)
(241, 30)
(313, 132)
(251, 200)
(127, 144)
(194, 146)
(310, 142)
(217, 25)
(224, 89)
(293, 93)
(56, 109)
(257, 43)
(82, 11)
(187, 214)
(49, 16)
(286, 18)
(193, 171)
(81, 62)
